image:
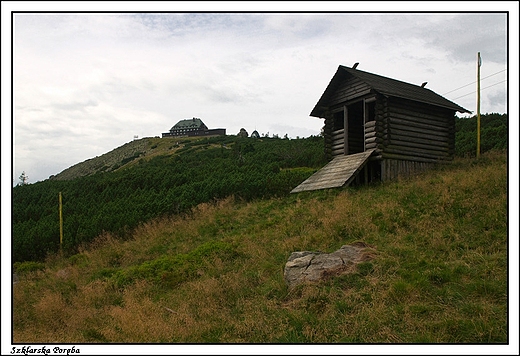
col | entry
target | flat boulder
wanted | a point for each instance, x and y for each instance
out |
(313, 266)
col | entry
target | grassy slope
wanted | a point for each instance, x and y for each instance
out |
(439, 273)
(124, 156)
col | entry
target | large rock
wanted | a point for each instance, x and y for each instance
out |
(310, 266)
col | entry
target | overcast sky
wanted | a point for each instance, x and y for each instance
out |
(85, 84)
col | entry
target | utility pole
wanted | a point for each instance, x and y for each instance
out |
(61, 222)
(479, 63)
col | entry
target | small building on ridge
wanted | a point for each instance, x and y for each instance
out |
(192, 127)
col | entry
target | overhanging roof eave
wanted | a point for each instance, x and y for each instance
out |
(454, 106)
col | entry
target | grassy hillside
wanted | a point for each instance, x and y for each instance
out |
(150, 178)
(129, 154)
(215, 276)
(153, 177)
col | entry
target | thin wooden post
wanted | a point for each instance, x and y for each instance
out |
(479, 63)
(61, 221)
(365, 114)
(345, 127)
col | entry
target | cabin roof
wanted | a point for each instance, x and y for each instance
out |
(188, 123)
(386, 86)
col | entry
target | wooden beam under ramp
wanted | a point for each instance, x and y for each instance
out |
(337, 173)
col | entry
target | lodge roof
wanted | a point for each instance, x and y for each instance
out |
(386, 86)
(189, 123)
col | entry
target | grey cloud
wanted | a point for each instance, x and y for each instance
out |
(497, 99)
(454, 34)
(151, 70)
(298, 26)
(187, 24)
(27, 108)
(42, 129)
(76, 105)
(225, 94)
(462, 39)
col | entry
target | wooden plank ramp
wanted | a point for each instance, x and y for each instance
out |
(337, 173)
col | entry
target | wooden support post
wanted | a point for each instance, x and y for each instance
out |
(345, 127)
(365, 119)
(479, 62)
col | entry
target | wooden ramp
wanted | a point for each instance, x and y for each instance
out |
(337, 173)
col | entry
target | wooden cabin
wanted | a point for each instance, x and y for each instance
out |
(378, 128)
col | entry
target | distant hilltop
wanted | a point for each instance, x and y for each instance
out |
(192, 127)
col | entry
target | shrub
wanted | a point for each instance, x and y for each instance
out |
(28, 266)
(173, 270)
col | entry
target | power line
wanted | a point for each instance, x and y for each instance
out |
(473, 92)
(503, 70)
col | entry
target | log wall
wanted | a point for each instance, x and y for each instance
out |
(349, 89)
(392, 169)
(417, 132)
(408, 136)
(375, 128)
(327, 130)
(338, 142)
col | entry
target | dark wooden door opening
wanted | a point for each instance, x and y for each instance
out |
(355, 119)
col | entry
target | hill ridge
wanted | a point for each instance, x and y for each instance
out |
(125, 155)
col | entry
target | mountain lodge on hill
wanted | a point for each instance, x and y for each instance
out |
(378, 128)
(192, 127)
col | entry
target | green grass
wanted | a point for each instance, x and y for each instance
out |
(172, 270)
(439, 272)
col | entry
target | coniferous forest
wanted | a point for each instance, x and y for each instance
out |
(493, 134)
(202, 170)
